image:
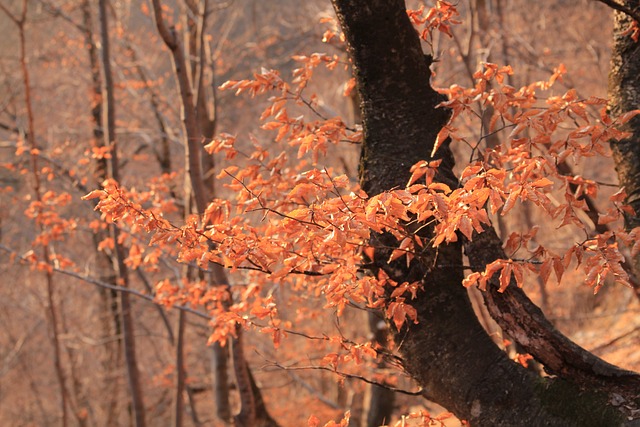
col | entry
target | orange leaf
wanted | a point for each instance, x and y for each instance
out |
(558, 268)
(624, 118)
(542, 182)
(505, 276)
(93, 195)
(313, 421)
(442, 136)
(511, 200)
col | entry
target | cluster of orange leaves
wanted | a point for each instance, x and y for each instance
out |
(523, 168)
(314, 421)
(440, 17)
(53, 226)
(293, 223)
(422, 417)
(313, 226)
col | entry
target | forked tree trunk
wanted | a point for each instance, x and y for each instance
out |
(447, 352)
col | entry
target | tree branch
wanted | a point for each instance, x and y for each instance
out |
(633, 13)
(522, 320)
(106, 285)
(350, 376)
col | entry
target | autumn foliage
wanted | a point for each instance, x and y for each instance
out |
(314, 226)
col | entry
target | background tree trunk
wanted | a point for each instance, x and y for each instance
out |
(251, 413)
(128, 334)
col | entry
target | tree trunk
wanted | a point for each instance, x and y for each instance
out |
(624, 96)
(378, 402)
(128, 335)
(447, 352)
(103, 262)
(252, 410)
(50, 305)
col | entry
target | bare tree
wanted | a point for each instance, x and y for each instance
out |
(128, 333)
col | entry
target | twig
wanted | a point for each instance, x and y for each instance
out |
(57, 12)
(317, 394)
(419, 392)
(382, 351)
(105, 285)
(615, 340)
(633, 13)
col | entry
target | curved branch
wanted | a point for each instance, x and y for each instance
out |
(342, 374)
(522, 320)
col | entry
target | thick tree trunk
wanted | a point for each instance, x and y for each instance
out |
(447, 352)
(624, 96)
(378, 402)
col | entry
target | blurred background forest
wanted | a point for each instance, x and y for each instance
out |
(63, 331)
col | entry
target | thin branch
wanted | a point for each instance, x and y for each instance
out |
(615, 340)
(633, 13)
(52, 310)
(10, 15)
(10, 128)
(105, 285)
(268, 209)
(350, 376)
(58, 13)
(381, 351)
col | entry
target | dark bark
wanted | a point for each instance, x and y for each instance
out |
(379, 401)
(523, 321)
(447, 352)
(624, 96)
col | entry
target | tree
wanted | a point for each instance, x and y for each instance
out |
(401, 127)
(622, 85)
(290, 256)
